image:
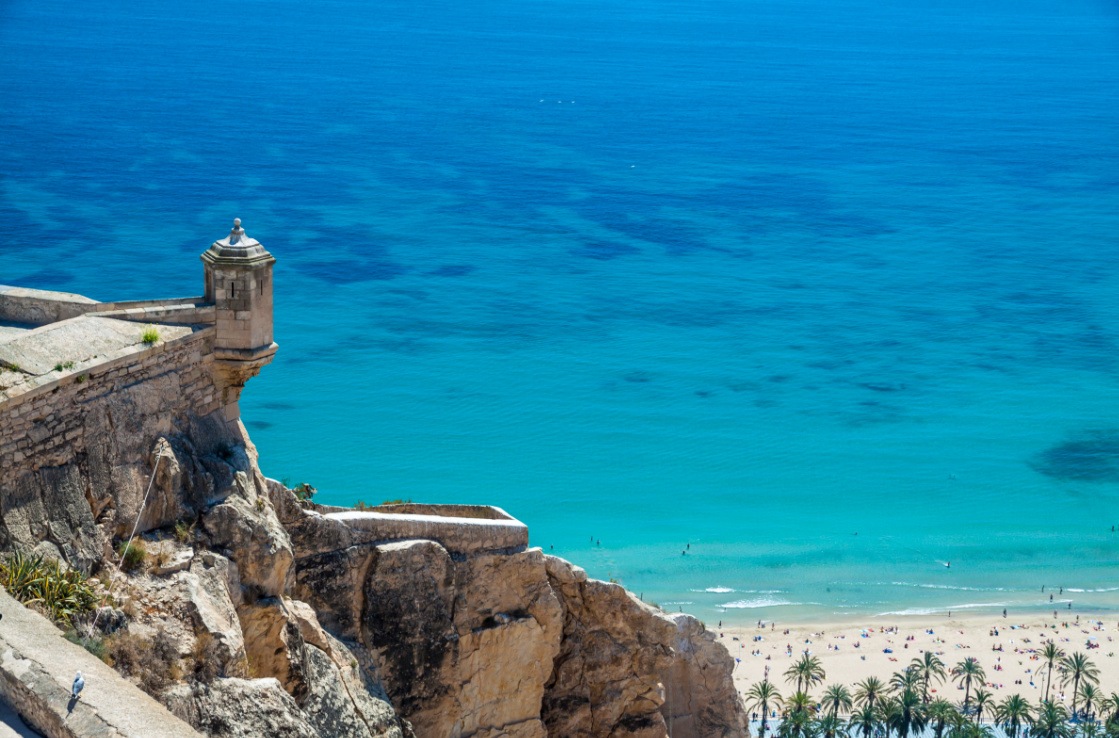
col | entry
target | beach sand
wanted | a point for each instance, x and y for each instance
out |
(848, 656)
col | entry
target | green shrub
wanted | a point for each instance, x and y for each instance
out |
(132, 555)
(95, 646)
(304, 492)
(43, 583)
(361, 506)
(63, 365)
(150, 335)
(397, 502)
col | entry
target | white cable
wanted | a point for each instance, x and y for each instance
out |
(135, 527)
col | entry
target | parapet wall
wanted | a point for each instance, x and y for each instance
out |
(39, 307)
(462, 529)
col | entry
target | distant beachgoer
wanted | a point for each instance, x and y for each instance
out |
(1070, 605)
(683, 553)
(598, 543)
(1004, 612)
(1062, 591)
(1050, 596)
(947, 564)
(689, 547)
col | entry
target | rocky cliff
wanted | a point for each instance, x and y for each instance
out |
(258, 614)
(284, 619)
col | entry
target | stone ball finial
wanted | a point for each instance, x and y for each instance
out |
(236, 232)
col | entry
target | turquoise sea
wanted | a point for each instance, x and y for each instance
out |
(765, 309)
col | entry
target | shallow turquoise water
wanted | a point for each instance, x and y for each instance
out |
(737, 279)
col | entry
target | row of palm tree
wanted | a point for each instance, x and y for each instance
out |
(902, 705)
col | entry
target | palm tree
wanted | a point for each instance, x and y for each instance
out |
(828, 726)
(1051, 655)
(983, 700)
(864, 720)
(940, 712)
(1051, 721)
(798, 715)
(1111, 706)
(869, 691)
(1077, 668)
(836, 698)
(763, 695)
(888, 710)
(903, 680)
(805, 673)
(1090, 730)
(965, 672)
(1012, 713)
(1091, 697)
(928, 667)
(908, 713)
(967, 729)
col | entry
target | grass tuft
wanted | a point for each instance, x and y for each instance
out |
(150, 335)
(132, 555)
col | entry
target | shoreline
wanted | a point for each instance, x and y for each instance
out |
(852, 650)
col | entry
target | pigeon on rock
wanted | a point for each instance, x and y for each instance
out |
(79, 684)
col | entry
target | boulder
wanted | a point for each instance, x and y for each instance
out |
(251, 536)
(249, 708)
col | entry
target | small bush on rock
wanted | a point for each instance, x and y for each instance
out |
(184, 532)
(304, 492)
(205, 659)
(132, 555)
(152, 662)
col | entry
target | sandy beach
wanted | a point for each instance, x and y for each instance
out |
(853, 651)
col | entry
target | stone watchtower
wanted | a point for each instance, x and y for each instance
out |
(239, 285)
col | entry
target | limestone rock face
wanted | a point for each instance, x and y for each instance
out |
(340, 706)
(628, 669)
(253, 538)
(212, 592)
(463, 646)
(249, 708)
(274, 645)
(48, 512)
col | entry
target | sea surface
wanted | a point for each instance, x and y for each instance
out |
(768, 310)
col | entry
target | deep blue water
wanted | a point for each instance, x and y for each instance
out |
(746, 277)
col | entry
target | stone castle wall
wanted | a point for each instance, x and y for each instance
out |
(51, 423)
(91, 435)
